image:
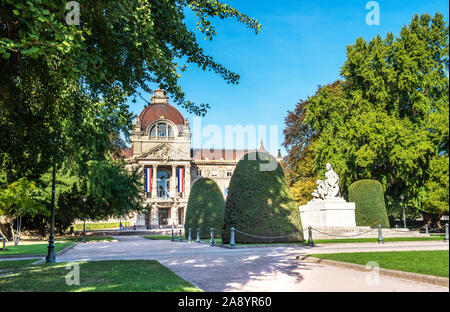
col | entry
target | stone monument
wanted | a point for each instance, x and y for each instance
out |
(328, 208)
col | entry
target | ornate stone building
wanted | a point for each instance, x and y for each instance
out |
(161, 147)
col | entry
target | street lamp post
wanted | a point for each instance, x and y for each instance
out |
(84, 223)
(51, 239)
(404, 217)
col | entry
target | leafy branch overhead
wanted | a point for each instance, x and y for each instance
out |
(128, 44)
(64, 91)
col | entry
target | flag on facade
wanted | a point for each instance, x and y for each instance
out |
(148, 179)
(180, 180)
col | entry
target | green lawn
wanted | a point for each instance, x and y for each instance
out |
(97, 226)
(90, 239)
(430, 262)
(39, 248)
(159, 237)
(97, 276)
(15, 264)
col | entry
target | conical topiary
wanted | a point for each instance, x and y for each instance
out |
(368, 196)
(205, 209)
(260, 203)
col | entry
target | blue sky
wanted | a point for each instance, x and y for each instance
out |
(302, 44)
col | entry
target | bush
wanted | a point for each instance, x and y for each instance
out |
(260, 203)
(370, 207)
(205, 209)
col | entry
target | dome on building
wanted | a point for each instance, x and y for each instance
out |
(160, 108)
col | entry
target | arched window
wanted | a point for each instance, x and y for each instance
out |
(153, 131)
(161, 130)
(170, 131)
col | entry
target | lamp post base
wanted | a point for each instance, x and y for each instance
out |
(51, 250)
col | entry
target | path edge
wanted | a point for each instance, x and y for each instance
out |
(58, 253)
(422, 278)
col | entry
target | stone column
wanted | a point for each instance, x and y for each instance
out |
(173, 182)
(155, 220)
(154, 181)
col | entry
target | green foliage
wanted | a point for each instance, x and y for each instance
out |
(369, 199)
(437, 187)
(19, 199)
(205, 208)
(127, 43)
(387, 119)
(298, 170)
(64, 89)
(260, 203)
(110, 191)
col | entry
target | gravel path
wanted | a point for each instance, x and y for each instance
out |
(254, 269)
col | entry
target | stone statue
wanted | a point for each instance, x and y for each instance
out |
(163, 186)
(329, 188)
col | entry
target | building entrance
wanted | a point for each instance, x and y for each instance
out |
(164, 215)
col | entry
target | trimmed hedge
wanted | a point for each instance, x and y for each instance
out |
(370, 206)
(260, 203)
(205, 209)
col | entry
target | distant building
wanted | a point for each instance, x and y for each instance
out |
(161, 147)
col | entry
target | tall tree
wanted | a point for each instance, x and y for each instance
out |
(388, 117)
(19, 200)
(50, 70)
(64, 87)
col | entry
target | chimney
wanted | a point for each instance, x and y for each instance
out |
(160, 97)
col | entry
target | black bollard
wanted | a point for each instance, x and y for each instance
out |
(232, 241)
(211, 242)
(172, 238)
(446, 234)
(310, 239)
(380, 235)
(180, 239)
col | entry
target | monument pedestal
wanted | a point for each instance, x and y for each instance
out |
(328, 213)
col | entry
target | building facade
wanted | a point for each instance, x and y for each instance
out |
(161, 147)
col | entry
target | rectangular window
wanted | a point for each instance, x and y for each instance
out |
(229, 173)
(161, 130)
(199, 173)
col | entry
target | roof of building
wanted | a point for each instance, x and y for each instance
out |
(156, 111)
(126, 152)
(160, 108)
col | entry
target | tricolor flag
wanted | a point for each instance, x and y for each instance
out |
(180, 180)
(148, 179)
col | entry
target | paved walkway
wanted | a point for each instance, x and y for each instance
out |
(253, 269)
